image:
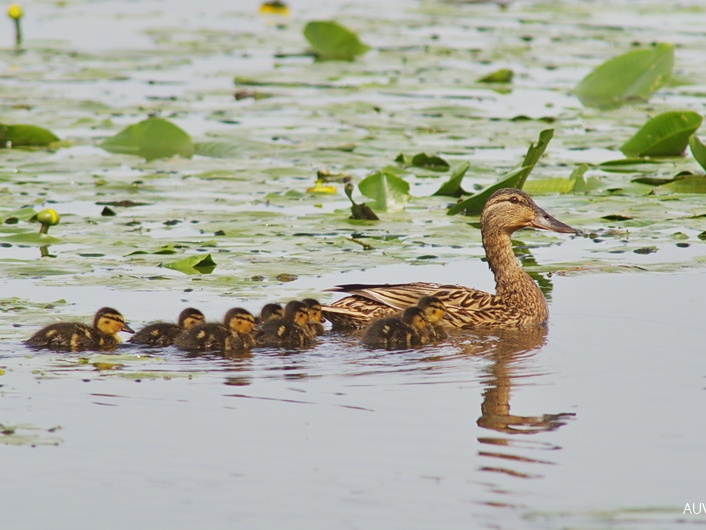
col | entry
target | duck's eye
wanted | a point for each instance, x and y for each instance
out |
(514, 200)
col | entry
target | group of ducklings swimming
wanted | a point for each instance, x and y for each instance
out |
(294, 326)
(394, 316)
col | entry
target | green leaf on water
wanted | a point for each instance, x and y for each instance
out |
(25, 135)
(424, 161)
(389, 191)
(193, 264)
(667, 134)
(698, 150)
(504, 75)
(151, 139)
(333, 42)
(632, 76)
(685, 184)
(514, 179)
(452, 187)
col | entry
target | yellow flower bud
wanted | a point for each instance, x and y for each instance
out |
(15, 11)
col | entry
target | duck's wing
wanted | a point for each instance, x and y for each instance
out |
(370, 301)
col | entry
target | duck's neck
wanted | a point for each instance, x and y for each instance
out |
(512, 283)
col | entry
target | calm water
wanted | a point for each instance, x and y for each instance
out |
(595, 420)
(595, 423)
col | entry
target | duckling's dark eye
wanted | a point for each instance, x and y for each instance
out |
(514, 200)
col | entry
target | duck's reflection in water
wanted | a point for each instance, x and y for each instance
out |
(510, 353)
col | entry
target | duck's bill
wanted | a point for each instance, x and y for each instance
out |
(545, 221)
(127, 329)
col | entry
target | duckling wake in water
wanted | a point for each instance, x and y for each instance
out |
(234, 335)
(165, 333)
(76, 337)
(517, 302)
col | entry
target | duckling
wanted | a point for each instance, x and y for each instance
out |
(407, 330)
(434, 311)
(234, 335)
(268, 312)
(289, 331)
(316, 317)
(164, 333)
(76, 337)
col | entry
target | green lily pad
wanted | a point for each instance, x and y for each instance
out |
(452, 187)
(504, 75)
(151, 139)
(666, 134)
(193, 265)
(686, 184)
(698, 150)
(387, 188)
(632, 76)
(333, 42)
(25, 135)
(514, 179)
(423, 160)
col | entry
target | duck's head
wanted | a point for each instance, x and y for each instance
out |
(434, 309)
(414, 316)
(314, 308)
(109, 321)
(270, 311)
(189, 318)
(297, 312)
(239, 320)
(509, 209)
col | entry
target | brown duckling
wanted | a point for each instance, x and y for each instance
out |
(234, 335)
(268, 312)
(165, 333)
(517, 303)
(407, 330)
(76, 337)
(316, 317)
(289, 331)
(434, 311)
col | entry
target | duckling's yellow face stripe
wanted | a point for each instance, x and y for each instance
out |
(192, 320)
(110, 324)
(301, 317)
(315, 313)
(243, 324)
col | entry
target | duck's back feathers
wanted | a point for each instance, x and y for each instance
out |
(209, 337)
(71, 337)
(157, 334)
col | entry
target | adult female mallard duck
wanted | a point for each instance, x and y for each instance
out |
(517, 302)
(407, 330)
(76, 337)
(165, 333)
(233, 336)
(290, 331)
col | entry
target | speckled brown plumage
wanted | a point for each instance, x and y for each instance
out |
(161, 334)
(517, 301)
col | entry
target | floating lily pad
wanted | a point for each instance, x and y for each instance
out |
(151, 139)
(25, 135)
(666, 134)
(423, 160)
(504, 75)
(452, 187)
(698, 150)
(632, 76)
(333, 42)
(203, 264)
(514, 179)
(387, 188)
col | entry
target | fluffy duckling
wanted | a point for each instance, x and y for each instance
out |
(76, 337)
(316, 317)
(165, 333)
(434, 311)
(234, 335)
(407, 330)
(268, 312)
(289, 331)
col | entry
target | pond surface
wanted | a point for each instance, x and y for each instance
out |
(594, 422)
